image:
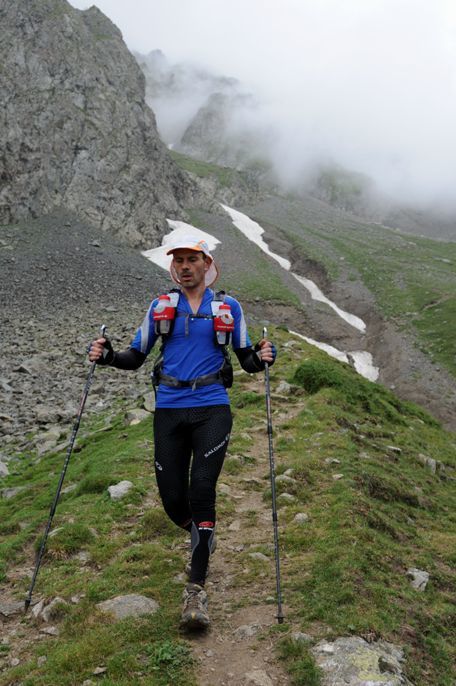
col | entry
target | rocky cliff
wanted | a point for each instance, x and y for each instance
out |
(76, 131)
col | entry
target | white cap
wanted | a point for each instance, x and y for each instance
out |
(192, 243)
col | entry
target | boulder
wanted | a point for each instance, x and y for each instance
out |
(136, 416)
(129, 606)
(118, 491)
(419, 578)
(354, 662)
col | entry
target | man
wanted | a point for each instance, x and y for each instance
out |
(192, 421)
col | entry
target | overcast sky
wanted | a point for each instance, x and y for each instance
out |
(370, 84)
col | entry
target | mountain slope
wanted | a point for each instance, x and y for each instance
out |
(360, 503)
(76, 129)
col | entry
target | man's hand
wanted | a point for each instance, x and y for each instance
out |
(101, 351)
(266, 351)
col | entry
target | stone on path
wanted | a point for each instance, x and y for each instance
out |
(354, 662)
(51, 610)
(285, 479)
(50, 630)
(8, 493)
(149, 402)
(258, 677)
(284, 388)
(301, 518)
(286, 498)
(419, 578)
(136, 416)
(259, 556)
(235, 526)
(301, 637)
(246, 631)
(119, 490)
(8, 609)
(129, 606)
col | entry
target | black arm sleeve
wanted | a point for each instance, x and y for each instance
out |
(249, 360)
(130, 359)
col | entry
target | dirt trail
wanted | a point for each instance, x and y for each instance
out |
(240, 648)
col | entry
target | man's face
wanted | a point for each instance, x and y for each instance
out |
(190, 267)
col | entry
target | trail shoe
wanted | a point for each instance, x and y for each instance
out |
(188, 566)
(194, 613)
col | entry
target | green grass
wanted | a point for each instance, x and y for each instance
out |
(300, 663)
(225, 177)
(413, 279)
(345, 571)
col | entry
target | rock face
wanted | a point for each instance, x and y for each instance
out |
(200, 114)
(225, 131)
(176, 92)
(76, 131)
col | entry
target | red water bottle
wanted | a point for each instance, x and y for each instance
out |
(223, 324)
(163, 315)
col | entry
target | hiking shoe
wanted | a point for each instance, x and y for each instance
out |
(188, 566)
(194, 613)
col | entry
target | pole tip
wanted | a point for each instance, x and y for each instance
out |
(26, 605)
(280, 619)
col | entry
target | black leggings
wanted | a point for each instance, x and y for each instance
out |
(186, 486)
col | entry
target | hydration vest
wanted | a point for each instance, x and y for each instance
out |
(165, 313)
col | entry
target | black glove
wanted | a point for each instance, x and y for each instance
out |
(107, 357)
(257, 349)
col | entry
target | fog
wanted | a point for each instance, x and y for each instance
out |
(367, 84)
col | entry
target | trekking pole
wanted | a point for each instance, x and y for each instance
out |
(273, 490)
(85, 393)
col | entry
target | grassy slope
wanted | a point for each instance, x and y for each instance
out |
(344, 572)
(413, 279)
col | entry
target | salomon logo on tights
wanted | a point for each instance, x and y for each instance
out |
(217, 447)
(158, 466)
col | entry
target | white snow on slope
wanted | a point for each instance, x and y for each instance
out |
(362, 361)
(316, 294)
(254, 232)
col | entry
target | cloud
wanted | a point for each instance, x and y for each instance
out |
(370, 84)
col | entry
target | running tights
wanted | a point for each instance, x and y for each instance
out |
(190, 446)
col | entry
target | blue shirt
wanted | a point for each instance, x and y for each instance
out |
(191, 351)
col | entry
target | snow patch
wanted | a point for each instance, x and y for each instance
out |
(254, 232)
(317, 294)
(362, 361)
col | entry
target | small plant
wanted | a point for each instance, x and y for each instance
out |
(94, 483)
(170, 659)
(68, 541)
(300, 663)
